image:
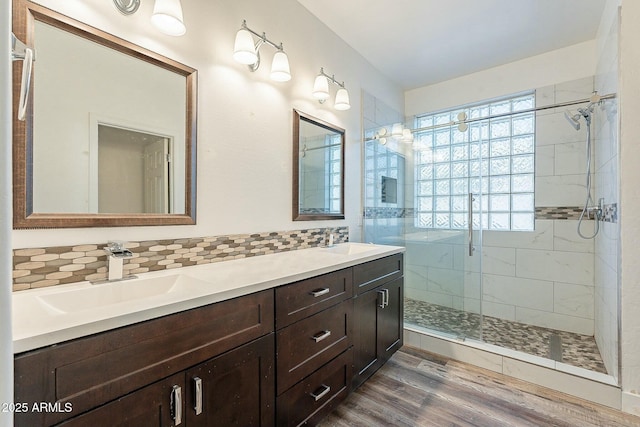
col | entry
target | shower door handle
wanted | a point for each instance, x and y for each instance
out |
(470, 221)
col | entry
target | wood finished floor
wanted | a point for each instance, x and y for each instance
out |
(416, 388)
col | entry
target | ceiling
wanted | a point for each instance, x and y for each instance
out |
(421, 42)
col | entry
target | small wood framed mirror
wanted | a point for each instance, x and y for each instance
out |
(318, 169)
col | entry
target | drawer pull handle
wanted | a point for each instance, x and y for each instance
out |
(197, 382)
(176, 405)
(317, 395)
(321, 335)
(319, 292)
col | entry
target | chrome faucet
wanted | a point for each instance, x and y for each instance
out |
(116, 253)
(329, 239)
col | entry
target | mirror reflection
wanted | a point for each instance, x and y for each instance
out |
(318, 169)
(103, 125)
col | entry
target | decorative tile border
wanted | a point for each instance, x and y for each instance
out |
(553, 212)
(559, 212)
(39, 267)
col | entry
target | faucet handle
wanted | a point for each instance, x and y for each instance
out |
(117, 249)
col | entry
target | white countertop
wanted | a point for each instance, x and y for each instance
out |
(37, 323)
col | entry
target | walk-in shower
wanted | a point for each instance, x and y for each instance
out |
(528, 285)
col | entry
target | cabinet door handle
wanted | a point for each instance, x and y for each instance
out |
(176, 405)
(386, 297)
(321, 335)
(319, 292)
(197, 382)
(320, 392)
(381, 293)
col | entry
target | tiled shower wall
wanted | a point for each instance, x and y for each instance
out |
(607, 173)
(544, 277)
(39, 267)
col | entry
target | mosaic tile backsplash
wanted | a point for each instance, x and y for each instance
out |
(40, 267)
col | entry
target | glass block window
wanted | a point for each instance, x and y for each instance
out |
(332, 167)
(492, 158)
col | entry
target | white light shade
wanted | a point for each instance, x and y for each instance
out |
(167, 17)
(280, 71)
(396, 130)
(342, 100)
(407, 136)
(321, 88)
(244, 50)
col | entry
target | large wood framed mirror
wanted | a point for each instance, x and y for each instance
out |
(318, 169)
(110, 132)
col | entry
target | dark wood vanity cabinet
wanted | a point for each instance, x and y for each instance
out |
(378, 315)
(133, 369)
(313, 347)
(285, 356)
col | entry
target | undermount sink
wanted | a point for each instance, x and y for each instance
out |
(108, 294)
(350, 248)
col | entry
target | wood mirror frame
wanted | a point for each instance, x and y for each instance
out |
(25, 13)
(299, 117)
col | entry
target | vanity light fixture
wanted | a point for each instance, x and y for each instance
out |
(321, 91)
(245, 51)
(166, 17)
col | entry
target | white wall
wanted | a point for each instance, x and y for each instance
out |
(630, 204)
(561, 65)
(6, 349)
(244, 119)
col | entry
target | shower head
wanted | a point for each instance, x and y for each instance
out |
(573, 119)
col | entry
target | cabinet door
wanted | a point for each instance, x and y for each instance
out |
(365, 337)
(154, 405)
(390, 320)
(236, 388)
(377, 329)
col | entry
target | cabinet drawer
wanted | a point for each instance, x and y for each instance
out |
(318, 394)
(302, 299)
(374, 273)
(90, 371)
(306, 345)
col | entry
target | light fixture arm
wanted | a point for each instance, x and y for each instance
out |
(262, 39)
(331, 78)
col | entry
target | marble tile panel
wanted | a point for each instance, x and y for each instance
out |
(573, 300)
(566, 238)
(535, 294)
(555, 266)
(552, 128)
(563, 190)
(445, 281)
(540, 238)
(570, 158)
(500, 261)
(545, 160)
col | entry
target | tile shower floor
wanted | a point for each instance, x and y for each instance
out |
(573, 349)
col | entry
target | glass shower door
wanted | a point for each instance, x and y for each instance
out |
(436, 216)
(444, 236)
